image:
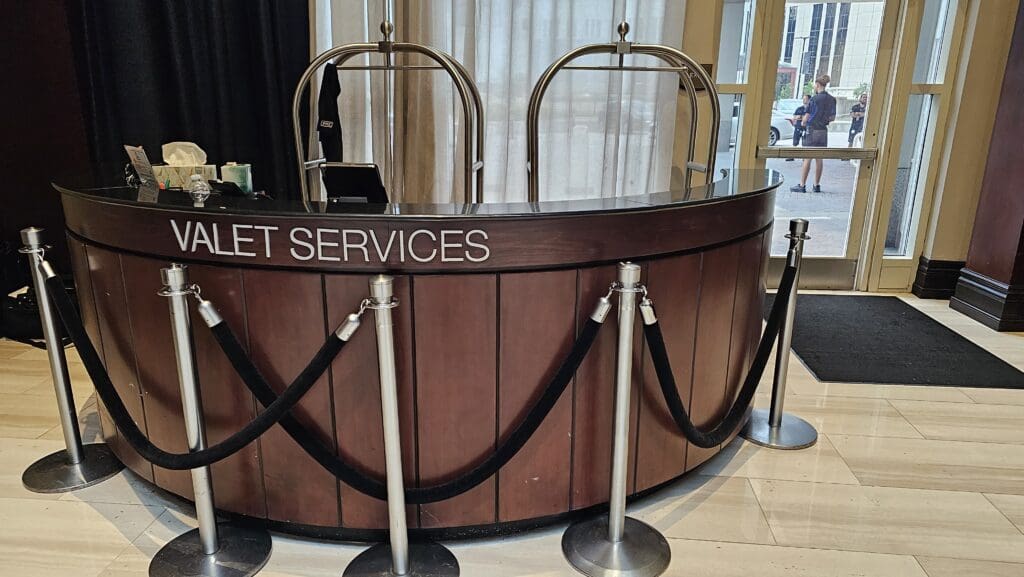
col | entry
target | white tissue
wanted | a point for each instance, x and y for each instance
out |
(183, 159)
(183, 154)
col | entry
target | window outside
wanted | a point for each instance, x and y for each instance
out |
(929, 68)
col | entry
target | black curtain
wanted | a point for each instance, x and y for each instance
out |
(219, 73)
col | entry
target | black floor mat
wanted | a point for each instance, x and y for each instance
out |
(877, 339)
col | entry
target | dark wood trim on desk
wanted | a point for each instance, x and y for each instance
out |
(514, 243)
(936, 279)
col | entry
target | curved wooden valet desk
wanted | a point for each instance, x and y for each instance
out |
(491, 296)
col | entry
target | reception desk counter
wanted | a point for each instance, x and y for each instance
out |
(491, 297)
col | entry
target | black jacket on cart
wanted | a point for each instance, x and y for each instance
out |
(340, 182)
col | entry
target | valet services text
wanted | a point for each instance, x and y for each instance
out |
(332, 244)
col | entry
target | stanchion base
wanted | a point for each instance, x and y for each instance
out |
(793, 433)
(643, 551)
(243, 552)
(55, 474)
(426, 559)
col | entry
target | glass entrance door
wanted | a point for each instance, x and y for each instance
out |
(845, 100)
(826, 90)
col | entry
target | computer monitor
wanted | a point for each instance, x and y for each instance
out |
(353, 182)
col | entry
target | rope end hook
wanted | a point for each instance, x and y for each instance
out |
(349, 327)
(647, 311)
(604, 304)
(209, 313)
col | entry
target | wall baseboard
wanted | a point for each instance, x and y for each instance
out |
(995, 304)
(936, 279)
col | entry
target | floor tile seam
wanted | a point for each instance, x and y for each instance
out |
(811, 397)
(921, 565)
(49, 396)
(1001, 512)
(907, 487)
(757, 478)
(971, 404)
(158, 512)
(47, 432)
(32, 435)
(28, 364)
(17, 439)
(968, 390)
(25, 392)
(1008, 444)
(828, 437)
(72, 358)
(904, 386)
(814, 398)
(131, 543)
(1002, 494)
(976, 441)
(969, 400)
(24, 365)
(894, 487)
(911, 423)
(764, 514)
(834, 550)
(1011, 563)
(156, 509)
(110, 501)
(804, 415)
(39, 438)
(973, 555)
(706, 540)
(918, 438)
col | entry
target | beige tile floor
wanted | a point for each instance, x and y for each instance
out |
(906, 481)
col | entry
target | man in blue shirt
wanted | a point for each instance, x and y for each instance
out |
(821, 111)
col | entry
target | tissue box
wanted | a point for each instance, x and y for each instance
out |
(180, 176)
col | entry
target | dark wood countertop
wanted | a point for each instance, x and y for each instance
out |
(424, 238)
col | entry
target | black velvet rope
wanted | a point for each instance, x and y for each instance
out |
(716, 435)
(367, 485)
(275, 410)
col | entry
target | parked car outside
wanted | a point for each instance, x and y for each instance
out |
(788, 105)
(782, 120)
(781, 129)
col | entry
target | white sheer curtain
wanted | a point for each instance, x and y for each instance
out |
(602, 133)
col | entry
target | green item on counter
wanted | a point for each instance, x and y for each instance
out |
(240, 174)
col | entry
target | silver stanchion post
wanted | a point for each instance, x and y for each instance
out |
(399, 557)
(775, 428)
(619, 545)
(212, 550)
(78, 465)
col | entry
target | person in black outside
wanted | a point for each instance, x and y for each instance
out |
(820, 113)
(798, 122)
(857, 114)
